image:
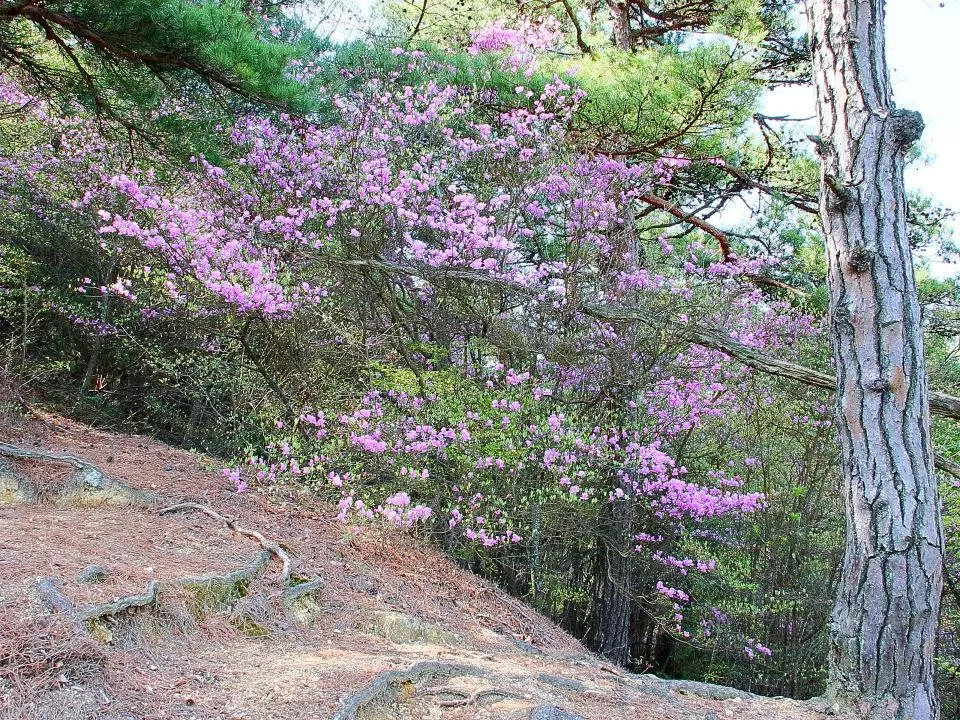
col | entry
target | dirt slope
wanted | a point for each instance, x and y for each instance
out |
(186, 618)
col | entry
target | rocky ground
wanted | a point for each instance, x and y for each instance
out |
(110, 608)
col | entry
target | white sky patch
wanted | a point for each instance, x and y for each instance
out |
(923, 47)
(341, 20)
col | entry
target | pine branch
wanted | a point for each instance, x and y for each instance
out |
(667, 206)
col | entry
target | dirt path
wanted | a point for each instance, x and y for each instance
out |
(388, 629)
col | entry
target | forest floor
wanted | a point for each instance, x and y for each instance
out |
(186, 618)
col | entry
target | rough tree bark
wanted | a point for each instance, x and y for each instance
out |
(615, 563)
(622, 32)
(884, 620)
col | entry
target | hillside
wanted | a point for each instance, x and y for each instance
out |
(110, 609)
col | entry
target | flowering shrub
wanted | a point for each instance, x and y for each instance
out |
(460, 231)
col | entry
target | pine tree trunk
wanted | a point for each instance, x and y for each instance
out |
(884, 622)
(615, 565)
(620, 15)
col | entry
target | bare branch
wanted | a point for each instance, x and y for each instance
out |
(714, 232)
(940, 403)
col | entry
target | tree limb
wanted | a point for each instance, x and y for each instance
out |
(667, 206)
(159, 61)
(946, 465)
(571, 13)
(743, 177)
(940, 403)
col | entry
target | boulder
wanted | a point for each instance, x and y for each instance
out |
(406, 629)
(88, 487)
(15, 489)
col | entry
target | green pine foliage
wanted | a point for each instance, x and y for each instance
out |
(122, 55)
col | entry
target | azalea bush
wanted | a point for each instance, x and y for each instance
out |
(435, 304)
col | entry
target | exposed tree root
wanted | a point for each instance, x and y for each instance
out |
(300, 601)
(552, 712)
(216, 592)
(18, 452)
(462, 698)
(212, 593)
(474, 698)
(96, 612)
(387, 686)
(234, 577)
(269, 545)
(90, 485)
(54, 599)
(295, 592)
(667, 689)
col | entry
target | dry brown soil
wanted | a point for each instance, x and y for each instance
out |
(249, 659)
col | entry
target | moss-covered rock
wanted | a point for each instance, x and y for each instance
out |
(88, 487)
(406, 629)
(15, 488)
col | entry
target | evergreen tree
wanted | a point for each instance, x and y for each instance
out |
(117, 56)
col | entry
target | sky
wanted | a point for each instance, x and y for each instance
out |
(923, 49)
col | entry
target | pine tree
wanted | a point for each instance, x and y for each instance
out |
(118, 55)
(884, 622)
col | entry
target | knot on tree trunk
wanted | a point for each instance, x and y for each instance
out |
(861, 260)
(908, 126)
(878, 384)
